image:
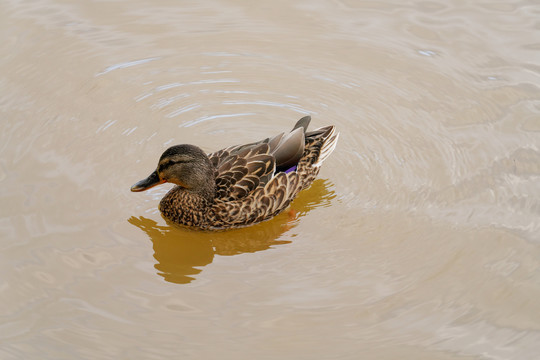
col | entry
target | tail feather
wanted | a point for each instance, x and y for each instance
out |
(329, 144)
(302, 123)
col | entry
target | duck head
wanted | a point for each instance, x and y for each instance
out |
(186, 166)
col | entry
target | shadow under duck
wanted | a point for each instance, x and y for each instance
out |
(243, 184)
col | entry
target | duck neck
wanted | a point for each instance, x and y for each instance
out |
(205, 190)
(201, 183)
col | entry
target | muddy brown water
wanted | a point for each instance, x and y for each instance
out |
(420, 240)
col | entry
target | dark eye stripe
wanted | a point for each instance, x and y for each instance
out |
(169, 164)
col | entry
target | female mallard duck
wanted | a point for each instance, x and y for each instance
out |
(242, 184)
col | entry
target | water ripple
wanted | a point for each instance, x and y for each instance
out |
(211, 117)
(126, 64)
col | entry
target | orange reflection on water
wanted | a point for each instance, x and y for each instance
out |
(181, 252)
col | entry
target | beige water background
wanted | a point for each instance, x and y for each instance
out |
(421, 240)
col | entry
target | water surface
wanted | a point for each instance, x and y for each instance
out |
(419, 241)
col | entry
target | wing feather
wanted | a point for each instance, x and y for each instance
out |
(250, 185)
(241, 169)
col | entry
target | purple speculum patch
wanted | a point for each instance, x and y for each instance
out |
(290, 170)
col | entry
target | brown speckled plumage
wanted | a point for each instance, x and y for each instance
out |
(241, 185)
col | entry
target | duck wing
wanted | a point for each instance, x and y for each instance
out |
(241, 169)
(251, 186)
(264, 203)
(289, 148)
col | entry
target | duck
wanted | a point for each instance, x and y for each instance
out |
(240, 185)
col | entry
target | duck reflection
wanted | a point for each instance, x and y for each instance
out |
(182, 252)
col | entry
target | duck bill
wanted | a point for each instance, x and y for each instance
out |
(147, 183)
